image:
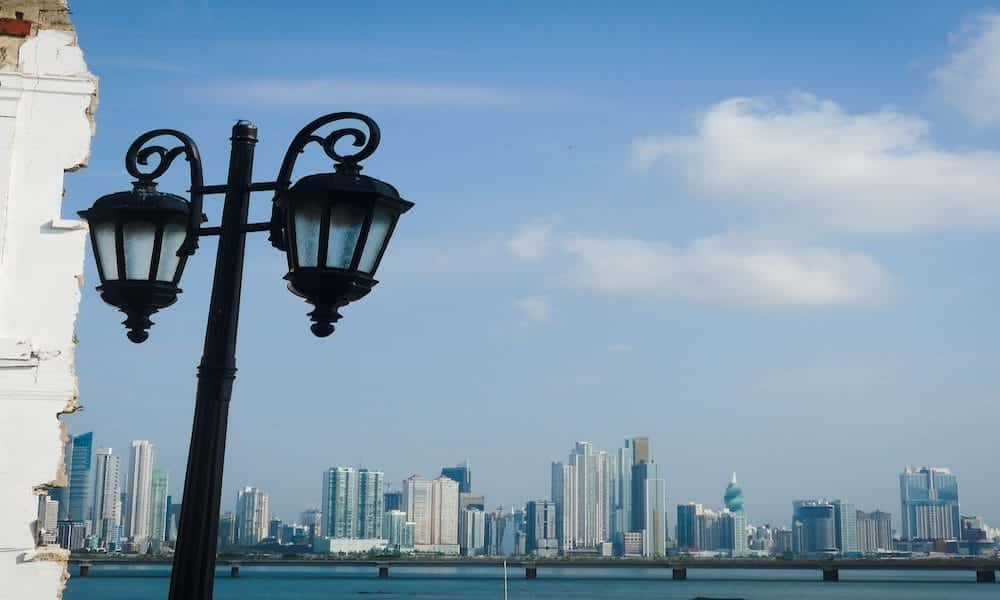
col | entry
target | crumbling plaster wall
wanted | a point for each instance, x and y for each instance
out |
(47, 100)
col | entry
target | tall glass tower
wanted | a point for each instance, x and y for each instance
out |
(80, 452)
(929, 498)
(462, 474)
(158, 507)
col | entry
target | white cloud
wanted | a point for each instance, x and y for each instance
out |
(307, 93)
(620, 348)
(970, 80)
(531, 242)
(535, 308)
(811, 162)
(726, 271)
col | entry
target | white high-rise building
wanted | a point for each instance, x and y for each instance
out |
(587, 495)
(622, 492)
(139, 489)
(444, 511)
(353, 503)
(417, 503)
(340, 503)
(394, 529)
(564, 497)
(252, 516)
(472, 532)
(107, 498)
(371, 503)
(605, 476)
(48, 520)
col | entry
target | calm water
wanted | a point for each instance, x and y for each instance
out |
(321, 583)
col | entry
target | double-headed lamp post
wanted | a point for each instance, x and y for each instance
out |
(334, 229)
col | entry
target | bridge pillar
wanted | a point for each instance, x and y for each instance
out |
(383, 571)
(986, 576)
(831, 575)
(234, 570)
(84, 570)
(531, 572)
(680, 574)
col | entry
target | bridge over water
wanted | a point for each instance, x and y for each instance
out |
(984, 569)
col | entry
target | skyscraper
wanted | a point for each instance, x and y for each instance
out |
(733, 497)
(845, 517)
(158, 507)
(48, 520)
(471, 501)
(312, 518)
(340, 502)
(653, 491)
(444, 511)
(813, 527)
(173, 518)
(735, 541)
(81, 488)
(138, 489)
(622, 511)
(417, 503)
(394, 529)
(462, 473)
(540, 528)
(584, 465)
(107, 498)
(370, 504)
(640, 450)
(252, 516)
(930, 509)
(734, 532)
(496, 532)
(227, 530)
(688, 538)
(392, 501)
(874, 532)
(605, 476)
(564, 496)
(472, 532)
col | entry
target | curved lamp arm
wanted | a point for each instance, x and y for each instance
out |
(345, 163)
(138, 155)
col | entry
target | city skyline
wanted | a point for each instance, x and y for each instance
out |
(364, 505)
(601, 503)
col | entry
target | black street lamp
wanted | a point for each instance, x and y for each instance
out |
(334, 228)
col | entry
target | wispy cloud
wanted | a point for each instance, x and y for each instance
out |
(139, 64)
(535, 308)
(309, 93)
(727, 272)
(970, 79)
(809, 161)
(531, 242)
(722, 270)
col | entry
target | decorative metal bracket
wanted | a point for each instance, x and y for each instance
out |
(139, 155)
(347, 164)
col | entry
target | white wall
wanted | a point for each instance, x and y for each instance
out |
(46, 104)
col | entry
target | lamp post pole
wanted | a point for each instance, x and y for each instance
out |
(333, 227)
(194, 560)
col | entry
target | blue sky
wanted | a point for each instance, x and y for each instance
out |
(762, 235)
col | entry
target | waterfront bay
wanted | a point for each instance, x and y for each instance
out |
(295, 583)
